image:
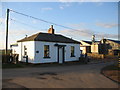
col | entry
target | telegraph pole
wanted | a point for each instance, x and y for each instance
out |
(7, 22)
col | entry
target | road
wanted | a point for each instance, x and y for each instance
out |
(73, 76)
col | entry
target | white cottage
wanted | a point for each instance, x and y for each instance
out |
(47, 48)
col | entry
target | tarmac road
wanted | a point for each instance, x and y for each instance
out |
(74, 76)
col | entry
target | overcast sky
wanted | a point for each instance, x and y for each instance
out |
(85, 19)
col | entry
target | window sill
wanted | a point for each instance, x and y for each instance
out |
(72, 56)
(46, 57)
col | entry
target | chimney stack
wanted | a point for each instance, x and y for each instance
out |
(51, 30)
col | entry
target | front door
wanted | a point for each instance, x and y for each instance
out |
(61, 55)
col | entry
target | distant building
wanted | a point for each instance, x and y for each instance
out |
(99, 48)
(93, 46)
(47, 48)
(85, 46)
(113, 46)
(104, 46)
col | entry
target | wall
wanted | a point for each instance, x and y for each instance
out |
(30, 50)
(113, 45)
(94, 48)
(84, 43)
(15, 50)
(95, 55)
(85, 49)
(39, 57)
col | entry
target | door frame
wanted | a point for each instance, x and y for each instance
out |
(63, 52)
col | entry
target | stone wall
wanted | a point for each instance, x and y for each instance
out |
(95, 55)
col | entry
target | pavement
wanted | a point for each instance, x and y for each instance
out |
(73, 76)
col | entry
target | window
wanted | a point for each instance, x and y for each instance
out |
(25, 50)
(72, 51)
(46, 51)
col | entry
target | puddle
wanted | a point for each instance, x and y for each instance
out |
(56, 78)
(48, 73)
(41, 78)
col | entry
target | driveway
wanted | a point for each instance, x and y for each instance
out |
(74, 76)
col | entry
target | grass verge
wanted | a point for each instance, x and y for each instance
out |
(24, 65)
(112, 72)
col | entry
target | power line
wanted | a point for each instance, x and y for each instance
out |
(23, 23)
(42, 20)
(48, 22)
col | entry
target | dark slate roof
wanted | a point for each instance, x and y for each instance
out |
(49, 38)
(116, 41)
(89, 42)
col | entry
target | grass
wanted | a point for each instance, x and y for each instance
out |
(8, 65)
(24, 65)
(111, 67)
(112, 72)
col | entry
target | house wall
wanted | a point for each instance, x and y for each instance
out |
(84, 43)
(15, 50)
(35, 51)
(113, 45)
(85, 49)
(39, 57)
(95, 48)
(30, 51)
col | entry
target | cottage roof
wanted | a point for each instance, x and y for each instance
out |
(88, 42)
(116, 41)
(48, 37)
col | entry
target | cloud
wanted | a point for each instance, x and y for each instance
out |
(87, 33)
(88, 0)
(34, 21)
(101, 35)
(107, 25)
(21, 32)
(46, 9)
(16, 34)
(65, 5)
(77, 25)
(2, 20)
(80, 32)
(67, 0)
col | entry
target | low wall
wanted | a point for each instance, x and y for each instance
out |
(101, 56)
(95, 55)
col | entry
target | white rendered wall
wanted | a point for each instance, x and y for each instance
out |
(95, 48)
(77, 52)
(15, 49)
(30, 51)
(39, 57)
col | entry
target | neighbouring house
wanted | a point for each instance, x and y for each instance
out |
(85, 46)
(99, 48)
(47, 48)
(113, 46)
(93, 46)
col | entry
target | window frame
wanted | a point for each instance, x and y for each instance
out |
(25, 50)
(47, 51)
(72, 51)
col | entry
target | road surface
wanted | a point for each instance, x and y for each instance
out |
(73, 76)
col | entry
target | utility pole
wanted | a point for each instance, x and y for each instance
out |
(7, 22)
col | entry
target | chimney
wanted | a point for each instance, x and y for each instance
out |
(93, 38)
(51, 30)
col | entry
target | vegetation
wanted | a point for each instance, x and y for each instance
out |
(8, 65)
(112, 67)
(112, 72)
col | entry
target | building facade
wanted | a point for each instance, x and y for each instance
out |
(48, 48)
(113, 46)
